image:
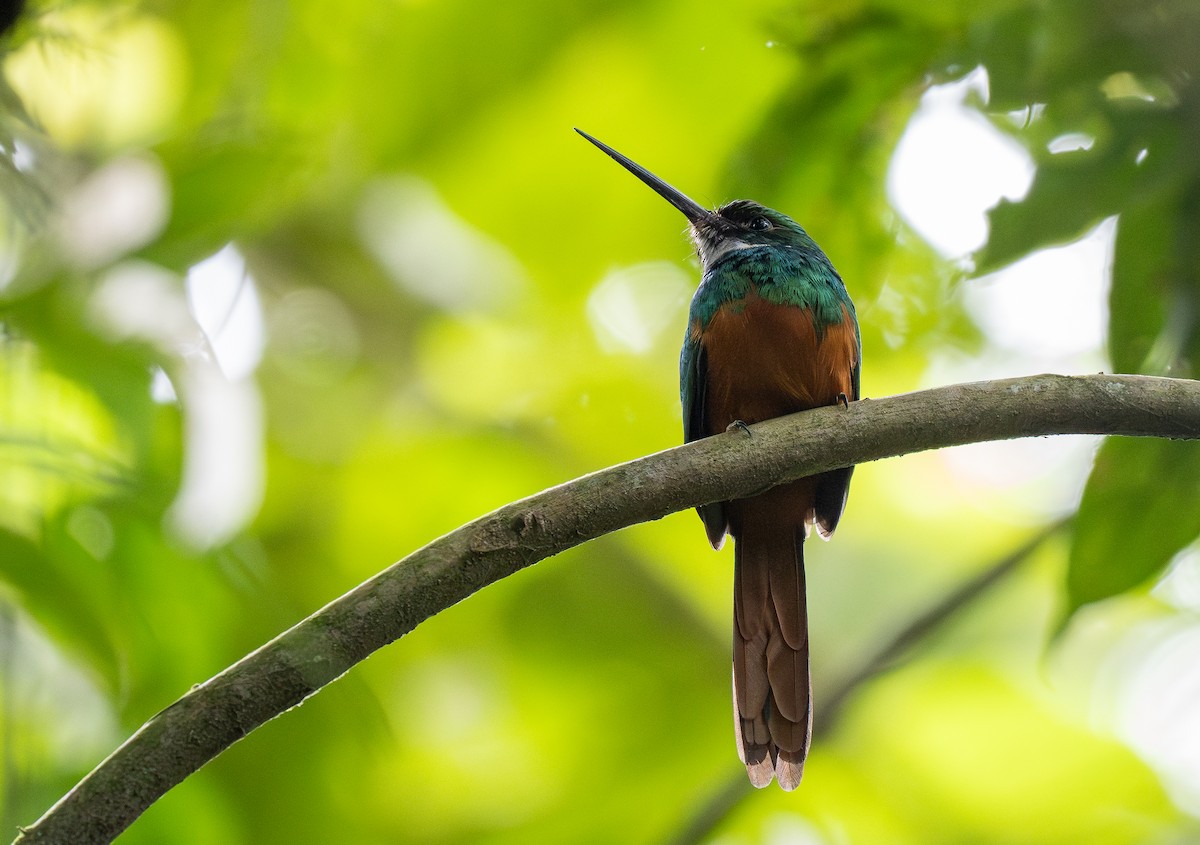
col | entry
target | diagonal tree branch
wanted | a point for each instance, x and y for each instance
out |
(281, 674)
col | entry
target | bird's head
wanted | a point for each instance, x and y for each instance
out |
(741, 224)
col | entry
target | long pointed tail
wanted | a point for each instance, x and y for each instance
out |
(772, 686)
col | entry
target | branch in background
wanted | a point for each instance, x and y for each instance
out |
(296, 664)
(730, 795)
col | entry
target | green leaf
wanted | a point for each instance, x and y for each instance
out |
(1073, 191)
(1138, 511)
(67, 599)
(225, 192)
(1137, 301)
(1153, 309)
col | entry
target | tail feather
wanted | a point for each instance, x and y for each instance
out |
(787, 674)
(771, 677)
(789, 768)
(753, 741)
(786, 578)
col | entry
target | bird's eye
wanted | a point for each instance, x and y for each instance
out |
(760, 224)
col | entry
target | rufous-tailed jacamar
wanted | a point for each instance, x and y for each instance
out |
(771, 331)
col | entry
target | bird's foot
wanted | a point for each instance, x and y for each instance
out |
(740, 426)
(843, 400)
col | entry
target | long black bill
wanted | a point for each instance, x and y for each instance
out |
(691, 209)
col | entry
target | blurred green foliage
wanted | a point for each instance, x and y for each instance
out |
(462, 303)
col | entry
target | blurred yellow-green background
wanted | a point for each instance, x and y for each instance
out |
(288, 289)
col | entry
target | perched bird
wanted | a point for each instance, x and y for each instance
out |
(771, 331)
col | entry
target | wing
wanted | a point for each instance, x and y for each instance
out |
(693, 370)
(857, 352)
(693, 384)
(834, 486)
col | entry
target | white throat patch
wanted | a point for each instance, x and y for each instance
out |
(710, 256)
